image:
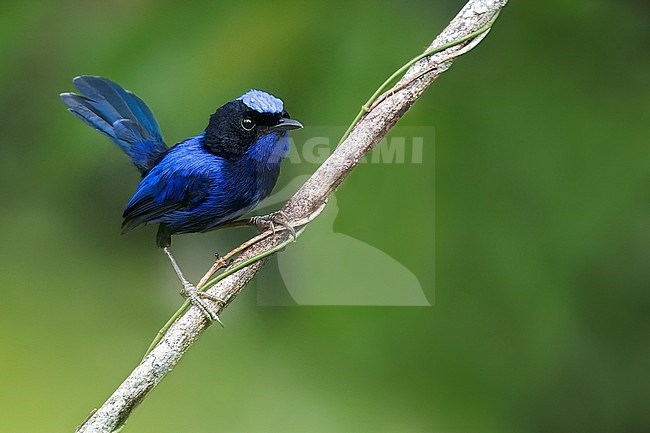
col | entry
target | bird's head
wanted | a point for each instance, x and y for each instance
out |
(254, 119)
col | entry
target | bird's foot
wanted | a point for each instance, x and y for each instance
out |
(198, 299)
(280, 218)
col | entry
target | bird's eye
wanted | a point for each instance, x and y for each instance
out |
(247, 123)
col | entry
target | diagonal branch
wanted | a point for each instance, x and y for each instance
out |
(376, 118)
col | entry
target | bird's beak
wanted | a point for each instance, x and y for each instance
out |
(286, 125)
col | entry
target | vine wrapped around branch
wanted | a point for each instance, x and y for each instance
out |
(376, 118)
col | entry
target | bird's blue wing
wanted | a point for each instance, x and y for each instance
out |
(163, 192)
(121, 116)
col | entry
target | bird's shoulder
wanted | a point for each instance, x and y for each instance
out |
(189, 154)
(185, 166)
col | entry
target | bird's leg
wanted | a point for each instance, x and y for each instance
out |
(195, 296)
(269, 221)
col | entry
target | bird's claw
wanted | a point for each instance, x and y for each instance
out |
(198, 297)
(280, 218)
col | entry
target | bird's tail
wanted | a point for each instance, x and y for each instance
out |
(121, 116)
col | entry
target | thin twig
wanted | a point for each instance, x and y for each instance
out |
(376, 99)
(222, 261)
(469, 40)
(215, 280)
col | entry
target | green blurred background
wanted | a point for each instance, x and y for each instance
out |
(542, 221)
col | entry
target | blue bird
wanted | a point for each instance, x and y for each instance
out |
(202, 182)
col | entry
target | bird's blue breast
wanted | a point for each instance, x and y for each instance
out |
(269, 149)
